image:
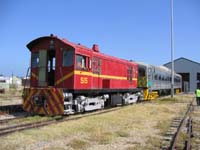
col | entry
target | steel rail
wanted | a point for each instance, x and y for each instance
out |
(175, 137)
(189, 135)
(15, 128)
(11, 119)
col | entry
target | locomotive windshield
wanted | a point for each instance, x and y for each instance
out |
(35, 60)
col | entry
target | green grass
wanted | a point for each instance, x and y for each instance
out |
(33, 119)
(163, 126)
(78, 144)
(122, 133)
(55, 148)
(13, 96)
(166, 100)
(137, 126)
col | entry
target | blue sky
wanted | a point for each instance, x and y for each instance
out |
(129, 29)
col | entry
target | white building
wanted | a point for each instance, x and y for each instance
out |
(4, 83)
(15, 81)
(7, 82)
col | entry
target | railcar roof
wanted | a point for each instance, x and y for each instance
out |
(158, 67)
(143, 64)
(164, 68)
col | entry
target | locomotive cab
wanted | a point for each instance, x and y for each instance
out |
(50, 60)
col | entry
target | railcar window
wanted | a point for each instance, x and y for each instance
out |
(156, 77)
(150, 70)
(68, 58)
(80, 62)
(159, 77)
(163, 78)
(35, 60)
(177, 79)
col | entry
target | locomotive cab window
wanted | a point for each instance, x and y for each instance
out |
(68, 56)
(35, 60)
(80, 62)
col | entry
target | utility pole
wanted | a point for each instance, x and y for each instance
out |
(172, 50)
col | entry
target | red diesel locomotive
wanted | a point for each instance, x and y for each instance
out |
(67, 78)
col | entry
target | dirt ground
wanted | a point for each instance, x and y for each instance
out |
(135, 127)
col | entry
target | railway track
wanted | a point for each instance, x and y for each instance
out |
(3, 121)
(20, 127)
(11, 129)
(195, 141)
(181, 125)
(11, 108)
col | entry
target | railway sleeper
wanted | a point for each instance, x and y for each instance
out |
(170, 133)
(167, 138)
(175, 123)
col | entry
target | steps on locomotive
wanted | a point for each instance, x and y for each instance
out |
(150, 95)
(153, 95)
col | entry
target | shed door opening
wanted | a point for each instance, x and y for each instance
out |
(185, 82)
(198, 79)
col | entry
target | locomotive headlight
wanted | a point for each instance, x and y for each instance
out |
(35, 98)
(51, 47)
(39, 100)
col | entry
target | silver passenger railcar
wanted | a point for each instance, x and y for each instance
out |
(156, 80)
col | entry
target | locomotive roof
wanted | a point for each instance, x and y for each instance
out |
(74, 45)
(34, 42)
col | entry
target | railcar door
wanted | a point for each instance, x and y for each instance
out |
(150, 78)
(96, 70)
(142, 76)
(42, 68)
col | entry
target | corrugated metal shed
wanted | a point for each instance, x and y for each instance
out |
(190, 71)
